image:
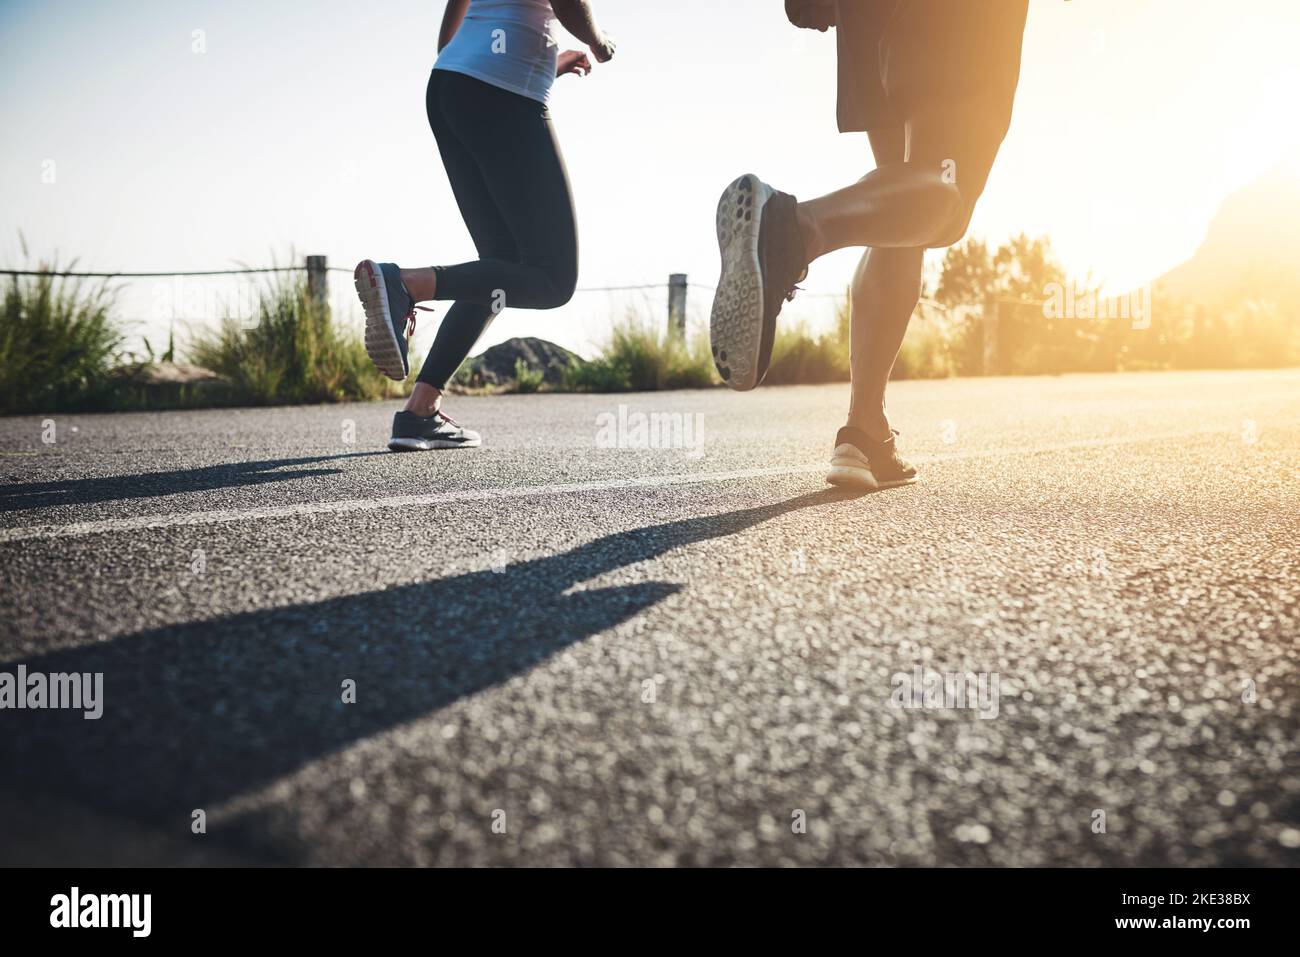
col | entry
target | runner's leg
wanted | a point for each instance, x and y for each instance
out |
(886, 288)
(516, 203)
(898, 205)
(887, 284)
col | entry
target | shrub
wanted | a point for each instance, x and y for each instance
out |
(527, 379)
(293, 352)
(57, 343)
(800, 359)
(928, 351)
(637, 358)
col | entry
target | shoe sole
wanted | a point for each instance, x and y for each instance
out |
(381, 338)
(736, 323)
(397, 444)
(846, 477)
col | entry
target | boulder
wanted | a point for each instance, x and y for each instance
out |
(496, 366)
(174, 374)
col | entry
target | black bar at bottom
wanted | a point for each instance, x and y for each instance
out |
(333, 907)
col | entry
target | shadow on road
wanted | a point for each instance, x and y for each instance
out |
(195, 714)
(21, 496)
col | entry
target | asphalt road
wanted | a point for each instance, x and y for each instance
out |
(570, 653)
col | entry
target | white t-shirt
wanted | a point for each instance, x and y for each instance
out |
(508, 43)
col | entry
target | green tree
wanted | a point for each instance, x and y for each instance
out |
(968, 275)
(1022, 268)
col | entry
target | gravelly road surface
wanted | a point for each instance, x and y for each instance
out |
(566, 653)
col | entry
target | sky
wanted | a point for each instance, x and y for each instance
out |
(146, 135)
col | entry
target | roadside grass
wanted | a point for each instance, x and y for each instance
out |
(62, 350)
(800, 358)
(527, 380)
(58, 343)
(292, 352)
(929, 351)
(641, 356)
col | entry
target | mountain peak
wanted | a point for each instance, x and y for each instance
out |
(1250, 248)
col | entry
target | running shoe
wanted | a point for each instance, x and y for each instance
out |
(763, 259)
(860, 462)
(390, 316)
(415, 433)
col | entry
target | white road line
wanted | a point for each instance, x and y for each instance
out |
(345, 506)
(77, 529)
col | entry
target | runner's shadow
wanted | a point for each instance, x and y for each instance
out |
(32, 495)
(198, 713)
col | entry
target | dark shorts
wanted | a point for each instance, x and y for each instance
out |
(954, 64)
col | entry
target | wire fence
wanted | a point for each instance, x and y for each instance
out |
(266, 270)
(195, 273)
(162, 274)
(316, 269)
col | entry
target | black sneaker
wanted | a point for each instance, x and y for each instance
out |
(415, 433)
(762, 260)
(390, 315)
(863, 463)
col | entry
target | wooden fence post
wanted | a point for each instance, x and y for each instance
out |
(677, 305)
(317, 281)
(990, 324)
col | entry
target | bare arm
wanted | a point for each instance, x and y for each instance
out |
(576, 17)
(452, 18)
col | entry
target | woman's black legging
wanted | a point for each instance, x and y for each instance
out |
(509, 179)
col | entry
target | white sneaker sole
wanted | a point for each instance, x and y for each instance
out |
(860, 478)
(397, 444)
(849, 471)
(381, 340)
(736, 323)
